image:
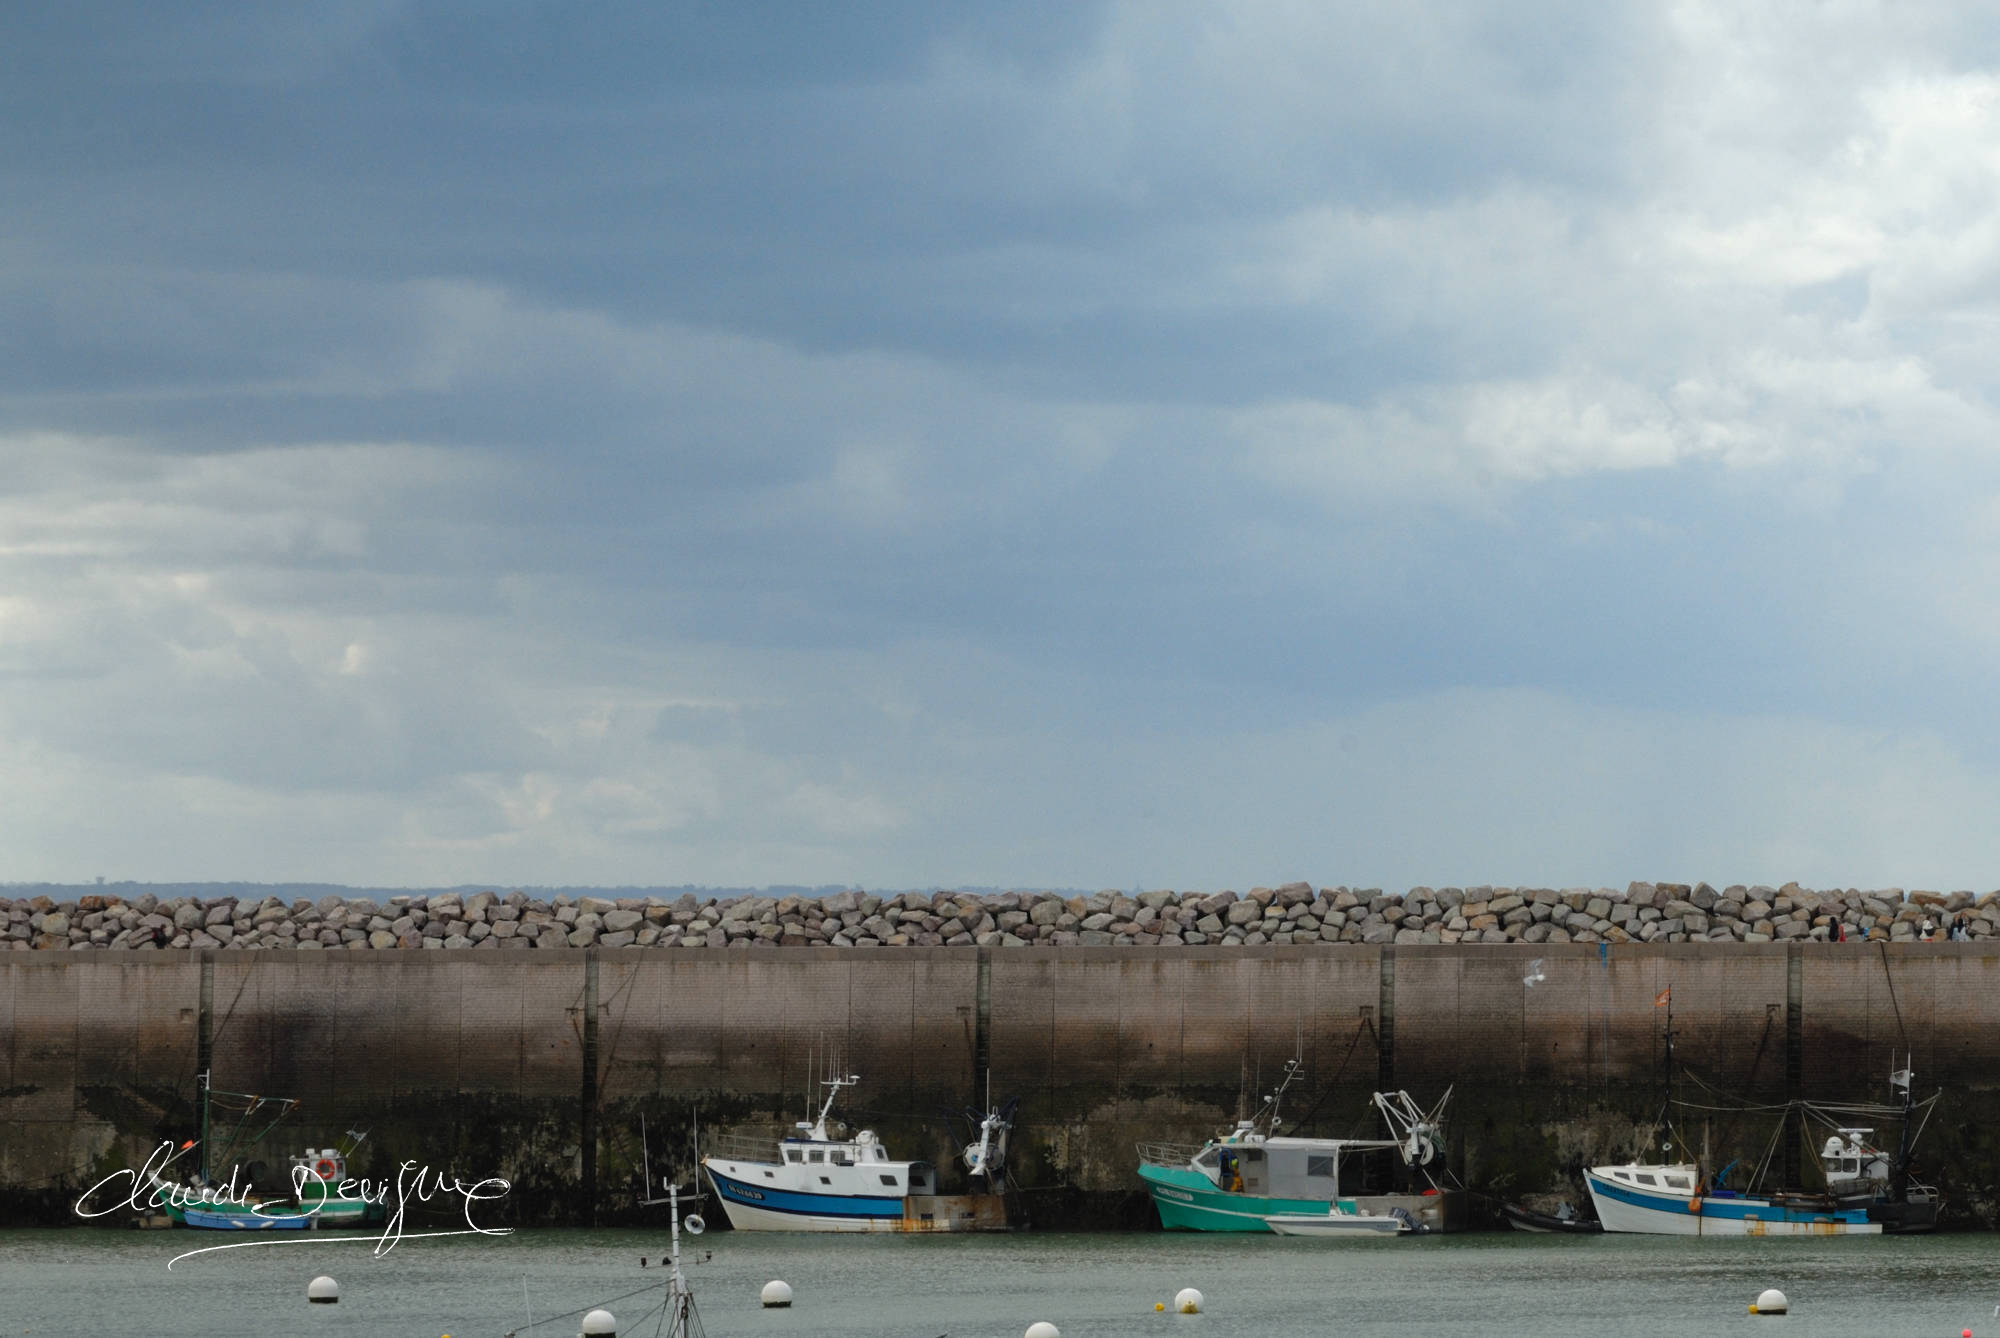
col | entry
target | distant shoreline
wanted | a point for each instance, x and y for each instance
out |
(237, 891)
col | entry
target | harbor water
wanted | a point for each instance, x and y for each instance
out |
(116, 1284)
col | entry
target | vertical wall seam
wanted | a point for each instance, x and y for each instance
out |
(204, 1036)
(588, 1137)
(982, 1023)
(1794, 1053)
(1385, 1023)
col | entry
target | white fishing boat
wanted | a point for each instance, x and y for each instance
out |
(1868, 1192)
(1863, 1197)
(813, 1180)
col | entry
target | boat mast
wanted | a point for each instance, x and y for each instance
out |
(202, 1081)
(1899, 1174)
(833, 1086)
(1667, 1112)
(1293, 1068)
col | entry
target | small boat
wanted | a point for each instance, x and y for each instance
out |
(312, 1197)
(1343, 1222)
(813, 1181)
(1564, 1221)
(260, 1218)
(1248, 1179)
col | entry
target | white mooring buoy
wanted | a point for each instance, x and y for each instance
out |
(776, 1295)
(1770, 1301)
(1188, 1301)
(1041, 1328)
(323, 1290)
(599, 1324)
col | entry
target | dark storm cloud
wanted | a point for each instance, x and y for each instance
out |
(1015, 192)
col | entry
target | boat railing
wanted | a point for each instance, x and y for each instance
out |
(742, 1147)
(1176, 1155)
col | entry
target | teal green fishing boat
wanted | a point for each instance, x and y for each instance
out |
(1250, 1180)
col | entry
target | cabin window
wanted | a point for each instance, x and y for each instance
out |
(1321, 1167)
(840, 1158)
(881, 1154)
(1678, 1182)
(792, 1155)
(1646, 1180)
(889, 1180)
(825, 1181)
(816, 1156)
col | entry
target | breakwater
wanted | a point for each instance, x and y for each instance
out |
(540, 1067)
(1294, 913)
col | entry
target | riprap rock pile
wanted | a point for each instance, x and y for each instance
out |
(1293, 913)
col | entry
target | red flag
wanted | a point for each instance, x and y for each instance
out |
(1661, 999)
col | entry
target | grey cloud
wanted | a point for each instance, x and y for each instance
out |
(923, 442)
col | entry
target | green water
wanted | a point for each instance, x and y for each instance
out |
(116, 1283)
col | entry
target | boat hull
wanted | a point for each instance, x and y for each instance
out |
(1625, 1208)
(1187, 1201)
(243, 1221)
(335, 1214)
(767, 1208)
(1527, 1219)
(277, 1217)
(1334, 1226)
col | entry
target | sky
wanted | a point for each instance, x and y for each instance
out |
(1055, 444)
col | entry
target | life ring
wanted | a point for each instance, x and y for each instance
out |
(326, 1168)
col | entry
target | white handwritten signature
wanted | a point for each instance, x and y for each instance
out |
(149, 1188)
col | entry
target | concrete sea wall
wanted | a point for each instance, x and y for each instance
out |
(539, 1068)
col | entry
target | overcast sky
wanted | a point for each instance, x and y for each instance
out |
(1057, 444)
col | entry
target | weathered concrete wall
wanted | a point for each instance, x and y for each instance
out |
(479, 1061)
